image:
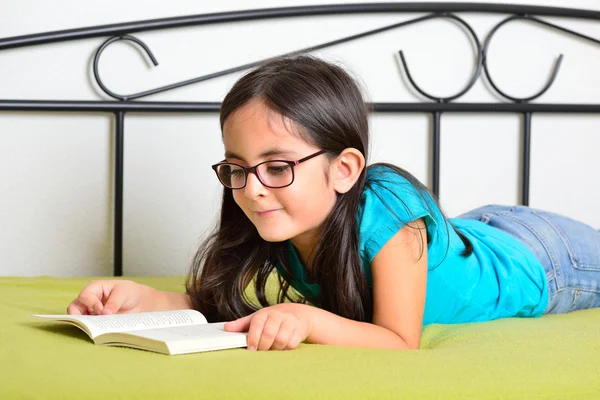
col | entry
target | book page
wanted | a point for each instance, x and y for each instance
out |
(99, 324)
(200, 332)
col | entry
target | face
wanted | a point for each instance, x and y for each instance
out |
(294, 212)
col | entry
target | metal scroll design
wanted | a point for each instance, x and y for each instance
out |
(481, 61)
(554, 69)
(147, 50)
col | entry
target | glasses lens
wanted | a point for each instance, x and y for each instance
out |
(231, 176)
(276, 173)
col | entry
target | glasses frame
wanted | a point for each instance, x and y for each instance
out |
(247, 169)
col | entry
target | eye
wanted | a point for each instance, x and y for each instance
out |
(278, 169)
(236, 173)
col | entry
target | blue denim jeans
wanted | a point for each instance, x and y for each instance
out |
(568, 250)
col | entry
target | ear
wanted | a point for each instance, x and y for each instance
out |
(346, 169)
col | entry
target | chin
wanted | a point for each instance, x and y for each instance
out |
(274, 236)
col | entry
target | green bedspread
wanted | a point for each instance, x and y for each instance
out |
(555, 356)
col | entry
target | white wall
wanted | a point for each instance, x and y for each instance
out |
(56, 168)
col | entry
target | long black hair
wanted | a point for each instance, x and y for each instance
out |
(325, 105)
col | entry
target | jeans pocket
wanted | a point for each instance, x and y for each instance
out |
(581, 240)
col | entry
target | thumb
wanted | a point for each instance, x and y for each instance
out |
(239, 325)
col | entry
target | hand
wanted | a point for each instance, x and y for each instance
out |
(111, 297)
(279, 327)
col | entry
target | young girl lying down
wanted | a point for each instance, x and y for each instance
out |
(368, 248)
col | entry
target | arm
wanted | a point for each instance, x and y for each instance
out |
(399, 286)
(125, 296)
(164, 301)
(329, 328)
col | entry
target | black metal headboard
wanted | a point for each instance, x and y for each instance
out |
(436, 106)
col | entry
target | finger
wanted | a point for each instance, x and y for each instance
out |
(116, 299)
(76, 308)
(295, 341)
(91, 297)
(256, 326)
(239, 325)
(269, 332)
(91, 303)
(286, 330)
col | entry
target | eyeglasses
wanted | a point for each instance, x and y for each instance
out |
(273, 174)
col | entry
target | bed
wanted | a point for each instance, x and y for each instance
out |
(555, 356)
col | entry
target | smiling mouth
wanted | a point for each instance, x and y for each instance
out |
(266, 212)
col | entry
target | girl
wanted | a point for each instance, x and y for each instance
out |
(369, 249)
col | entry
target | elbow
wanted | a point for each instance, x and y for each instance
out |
(413, 346)
(407, 342)
(414, 343)
(410, 344)
(400, 343)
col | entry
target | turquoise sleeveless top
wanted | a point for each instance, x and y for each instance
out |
(501, 278)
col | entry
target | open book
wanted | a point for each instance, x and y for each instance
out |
(166, 332)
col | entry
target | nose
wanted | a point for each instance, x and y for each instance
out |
(253, 187)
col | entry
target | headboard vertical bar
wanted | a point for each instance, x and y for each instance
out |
(119, 155)
(435, 159)
(526, 158)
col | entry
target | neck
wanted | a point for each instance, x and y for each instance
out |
(305, 245)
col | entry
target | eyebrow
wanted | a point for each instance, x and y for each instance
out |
(265, 154)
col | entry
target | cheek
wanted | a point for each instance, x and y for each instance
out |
(310, 201)
(239, 197)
